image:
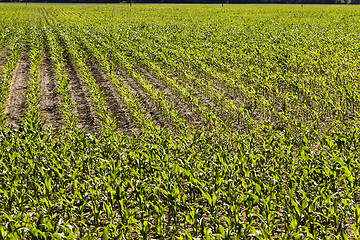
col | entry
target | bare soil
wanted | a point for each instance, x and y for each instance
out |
(16, 102)
(3, 55)
(49, 104)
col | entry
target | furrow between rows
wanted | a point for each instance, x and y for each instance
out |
(16, 102)
(49, 104)
(3, 55)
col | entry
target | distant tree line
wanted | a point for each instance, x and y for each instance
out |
(197, 1)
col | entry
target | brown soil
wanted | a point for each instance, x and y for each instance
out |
(3, 55)
(16, 102)
(83, 109)
(180, 106)
(113, 103)
(153, 113)
(49, 104)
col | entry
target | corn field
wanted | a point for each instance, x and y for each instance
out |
(179, 121)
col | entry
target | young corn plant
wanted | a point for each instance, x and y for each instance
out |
(32, 120)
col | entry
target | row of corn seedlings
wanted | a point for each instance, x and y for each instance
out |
(165, 106)
(32, 120)
(61, 77)
(14, 51)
